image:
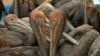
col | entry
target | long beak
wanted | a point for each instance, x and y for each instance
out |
(19, 25)
(56, 29)
(39, 31)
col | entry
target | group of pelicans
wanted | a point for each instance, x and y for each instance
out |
(44, 34)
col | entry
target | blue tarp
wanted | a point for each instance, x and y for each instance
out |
(7, 8)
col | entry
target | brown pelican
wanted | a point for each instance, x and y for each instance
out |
(37, 21)
(57, 21)
(16, 33)
(85, 34)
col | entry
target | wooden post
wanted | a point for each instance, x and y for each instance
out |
(16, 7)
(85, 12)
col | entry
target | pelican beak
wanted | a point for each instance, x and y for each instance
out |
(55, 34)
(19, 25)
(39, 30)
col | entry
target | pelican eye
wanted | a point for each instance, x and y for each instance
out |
(47, 8)
(12, 19)
(54, 20)
(41, 20)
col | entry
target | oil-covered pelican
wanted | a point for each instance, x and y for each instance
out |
(37, 22)
(57, 21)
(84, 34)
(16, 33)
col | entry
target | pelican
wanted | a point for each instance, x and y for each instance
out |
(12, 21)
(17, 33)
(37, 22)
(84, 34)
(57, 21)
